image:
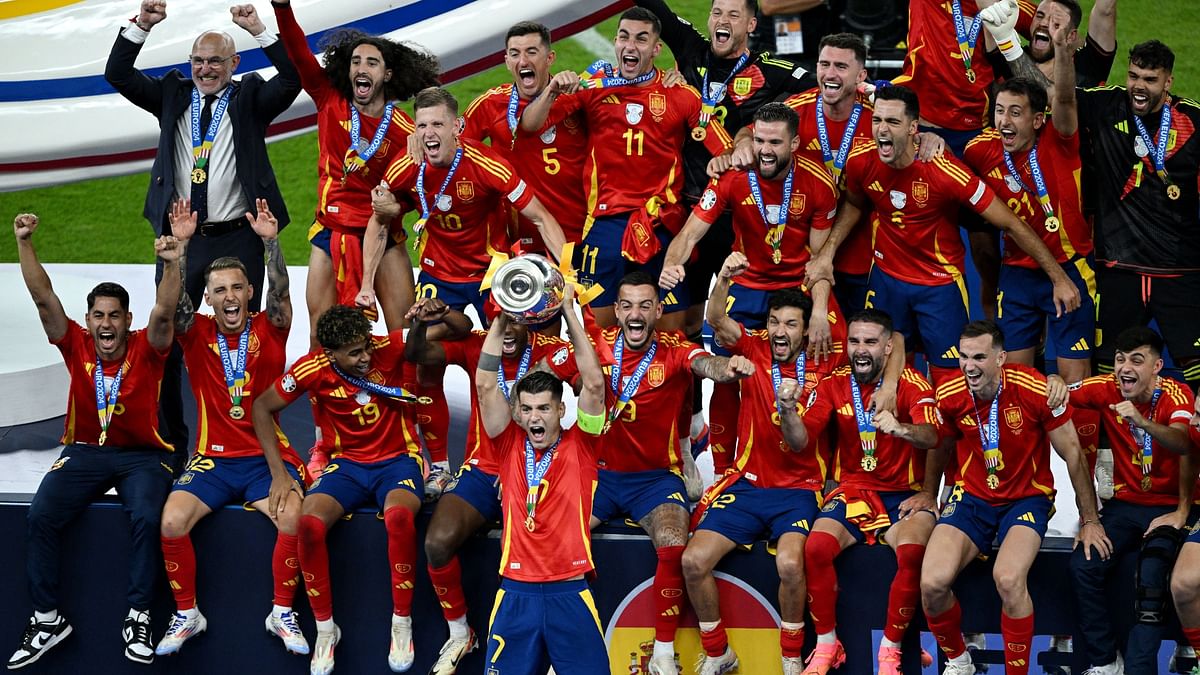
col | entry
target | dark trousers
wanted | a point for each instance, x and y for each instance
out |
(247, 247)
(1125, 523)
(82, 473)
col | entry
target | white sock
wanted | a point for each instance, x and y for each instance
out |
(888, 643)
(46, 617)
(459, 630)
(279, 610)
(789, 625)
(709, 626)
(664, 649)
(827, 638)
(325, 626)
(138, 614)
(191, 612)
(398, 620)
(962, 659)
(440, 466)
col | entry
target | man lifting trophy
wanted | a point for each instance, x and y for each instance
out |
(529, 289)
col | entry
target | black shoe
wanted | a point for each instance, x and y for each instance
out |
(39, 637)
(137, 637)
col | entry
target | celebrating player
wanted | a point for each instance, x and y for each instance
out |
(878, 500)
(126, 369)
(544, 609)
(231, 357)
(474, 498)
(1094, 57)
(1005, 491)
(774, 485)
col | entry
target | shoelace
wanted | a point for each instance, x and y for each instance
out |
(288, 619)
(30, 632)
(178, 621)
(141, 631)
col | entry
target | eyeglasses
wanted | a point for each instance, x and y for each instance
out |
(212, 61)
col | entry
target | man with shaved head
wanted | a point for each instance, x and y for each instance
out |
(211, 150)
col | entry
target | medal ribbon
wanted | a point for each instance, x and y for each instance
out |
(514, 102)
(601, 74)
(1158, 150)
(356, 158)
(235, 371)
(106, 401)
(990, 438)
(1039, 180)
(398, 393)
(202, 149)
(756, 194)
(832, 163)
(709, 100)
(420, 224)
(1145, 438)
(777, 378)
(522, 368)
(967, 37)
(623, 395)
(534, 474)
(865, 419)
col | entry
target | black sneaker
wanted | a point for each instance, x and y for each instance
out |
(39, 637)
(137, 637)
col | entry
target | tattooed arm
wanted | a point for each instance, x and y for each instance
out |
(279, 295)
(183, 226)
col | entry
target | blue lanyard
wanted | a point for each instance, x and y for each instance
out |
(777, 378)
(611, 79)
(514, 102)
(442, 190)
(864, 418)
(1158, 151)
(235, 371)
(710, 97)
(360, 151)
(1039, 180)
(201, 149)
(756, 193)
(1146, 440)
(106, 401)
(990, 438)
(522, 368)
(832, 163)
(623, 395)
(533, 477)
(967, 37)
(398, 393)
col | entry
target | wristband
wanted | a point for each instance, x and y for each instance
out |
(489, 363)
(1009, 45)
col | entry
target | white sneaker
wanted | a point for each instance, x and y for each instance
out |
(322, 654)
(717, 665)
(285, 627)
(452, 652)
(136, 633)
(1115, 668)
(663, 664)
(976, 641)
(401, 654)
(182, 629)
(953, 668)
(793, 665)
(38, 638)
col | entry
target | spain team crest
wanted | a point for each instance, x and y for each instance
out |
(656, 375)
(1013, 418)
(658, 104)
(749, 619)
(920, 192)
(465, 190)
(797, 205)
(633, 112)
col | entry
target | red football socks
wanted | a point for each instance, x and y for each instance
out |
(314, 561)
(285, 568)
(905, 592)
(180, 559)
(819, 553)
(1018, 636)
(947, 630)
(668, 592)
(714, 641)
(447, 583)
(402, 555)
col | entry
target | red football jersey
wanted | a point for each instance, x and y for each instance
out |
(1058, 158)
(1174, 406)
(560, 546)
(933, 65)
(218, 434)
(471, 221)
(642, 126)
(854, 255)
(1024, 423)
(900, 466)
(917, 239)
(134, 424)
(354, 423)
(559, 356)
(342, 205)
(812, 207)
(551, 161)
(763, 457)
(646, 434)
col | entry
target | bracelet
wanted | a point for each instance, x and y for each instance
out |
(1090, 521)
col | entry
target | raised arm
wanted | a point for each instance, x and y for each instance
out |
(494, 409)
(1102, 24)
(1066, 294)
(183, 226)
(140, 89)
(726, 331)
(50, 309)
(279, 295)
(591, 377)
(446, 324)
(160, 330)
(281, 90)
(547, 226)
(1065, 107)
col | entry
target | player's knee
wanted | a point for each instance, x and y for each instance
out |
(174, 523)
(696, 564)
(1010, 584)
(790, 567)
(935, 585)
(311, 531)
(441, 544)
(1185, 585)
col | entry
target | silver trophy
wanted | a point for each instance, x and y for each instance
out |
(528, 288)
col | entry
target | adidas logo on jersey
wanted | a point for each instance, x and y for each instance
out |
(1080, 346)
(875, 186)
(951, 353)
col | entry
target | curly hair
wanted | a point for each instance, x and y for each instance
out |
(413, 68)
(342, 325)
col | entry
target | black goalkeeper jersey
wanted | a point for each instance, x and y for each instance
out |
(1138, 226)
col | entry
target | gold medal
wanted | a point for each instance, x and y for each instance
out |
(237, 412)
(1145, 483)
(993, 481)
(776, 256)
(103, 436)
(1052, 224)
(529, 525)
(869, 463)
(971, 75)
(699, 134)
(1173, 192)
(198, 175)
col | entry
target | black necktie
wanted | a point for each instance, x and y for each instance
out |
(200, 176)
